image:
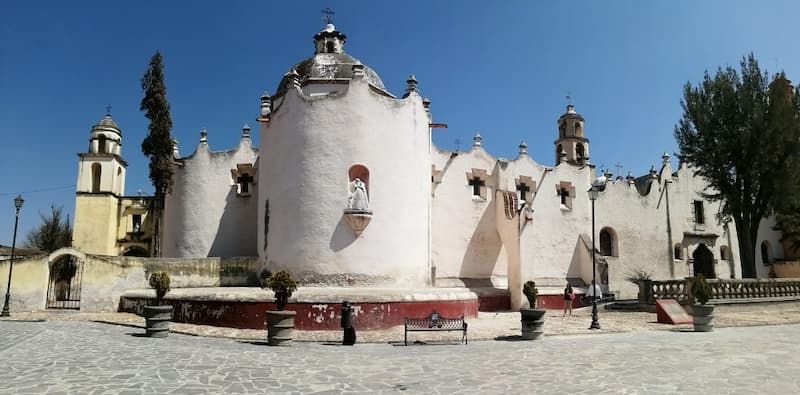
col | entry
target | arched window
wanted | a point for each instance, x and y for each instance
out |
(101, 144)
(330, 47)
(765, 252)
(578, 129)
(677, 252)
(96, 173)
(580, 153)
(559, 148)
(608, 242)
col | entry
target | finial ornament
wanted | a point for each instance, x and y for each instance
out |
(523, 148)
(476, 141)
(411, 85)
(204, 136)
(108, 110)
(326, 16)
(569, 97)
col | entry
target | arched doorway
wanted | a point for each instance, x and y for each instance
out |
(703, 261)
(64, 285)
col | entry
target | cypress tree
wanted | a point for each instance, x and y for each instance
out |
(158, 143)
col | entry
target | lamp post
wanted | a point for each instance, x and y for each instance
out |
(18, 204)
(593, 192)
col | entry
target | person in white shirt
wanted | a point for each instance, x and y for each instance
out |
(594, 291)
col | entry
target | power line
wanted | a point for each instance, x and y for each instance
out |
(37, 190)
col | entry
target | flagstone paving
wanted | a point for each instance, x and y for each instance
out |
(60, 357)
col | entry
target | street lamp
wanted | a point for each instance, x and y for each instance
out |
(593, 192)
(18, 204)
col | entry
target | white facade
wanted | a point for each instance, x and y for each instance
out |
(433, 216)
(209, 212)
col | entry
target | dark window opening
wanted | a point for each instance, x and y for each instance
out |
(244, 181)
(329, 46)
(101, 144)
(136, 219)
(606, 243)
(699, 216)
(764, 253)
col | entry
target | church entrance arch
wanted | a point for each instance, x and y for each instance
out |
(703, 261)
(64, 285)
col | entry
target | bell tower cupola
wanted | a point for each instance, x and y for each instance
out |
(101, 168)
(571, 146)
(329, 40)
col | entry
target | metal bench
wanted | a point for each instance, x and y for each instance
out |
(435, 323)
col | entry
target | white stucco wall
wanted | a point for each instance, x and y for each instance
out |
(306, 151)
(465, 239)
(204, 216)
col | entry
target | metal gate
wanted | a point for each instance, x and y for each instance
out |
(64, 287)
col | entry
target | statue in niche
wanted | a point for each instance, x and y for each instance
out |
(358, 200)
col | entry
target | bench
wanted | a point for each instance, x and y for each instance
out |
(435, 323)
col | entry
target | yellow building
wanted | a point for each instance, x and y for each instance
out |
(106, 221)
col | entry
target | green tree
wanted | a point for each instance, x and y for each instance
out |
(53, 233)
(158, 143)
(741, 134)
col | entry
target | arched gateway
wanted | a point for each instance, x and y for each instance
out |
(64, 285)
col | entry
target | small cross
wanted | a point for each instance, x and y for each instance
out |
(244, 182)
(619, 167)
(523, 189)
(476, 184)
(108, 109)
(569, 97)
(458, 144)
(564, 193)
(326, 15)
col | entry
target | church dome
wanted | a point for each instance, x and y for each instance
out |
(329, 62)
(107, 121)
(105, 126)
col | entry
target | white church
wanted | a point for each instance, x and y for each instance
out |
(318, 198)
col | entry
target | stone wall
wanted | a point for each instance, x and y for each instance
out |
(105, 278)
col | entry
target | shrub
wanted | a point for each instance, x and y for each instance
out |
(530, 291)
(160, 282)
(701, 291)
(283, 285)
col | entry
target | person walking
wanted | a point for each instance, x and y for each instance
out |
(569, 296)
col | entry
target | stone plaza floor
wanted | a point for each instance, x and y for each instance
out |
(84, 357)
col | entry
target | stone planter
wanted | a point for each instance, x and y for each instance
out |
(157, 320)
(532, 322)
(280, 327)
(703, 317)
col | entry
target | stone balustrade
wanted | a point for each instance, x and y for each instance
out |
(721, 290)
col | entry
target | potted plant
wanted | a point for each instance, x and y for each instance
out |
(532, 317)
(702, 313)
(157, 317)
(280, 322)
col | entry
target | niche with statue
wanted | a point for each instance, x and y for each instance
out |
(358, 213)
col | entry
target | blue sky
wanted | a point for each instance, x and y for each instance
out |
(500, 68)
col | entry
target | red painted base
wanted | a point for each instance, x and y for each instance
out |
(556, 302)
(310, 316)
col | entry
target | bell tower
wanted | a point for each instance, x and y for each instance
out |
(571, 146)
(100, 185)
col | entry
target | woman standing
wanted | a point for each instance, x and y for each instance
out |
(569, 296)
